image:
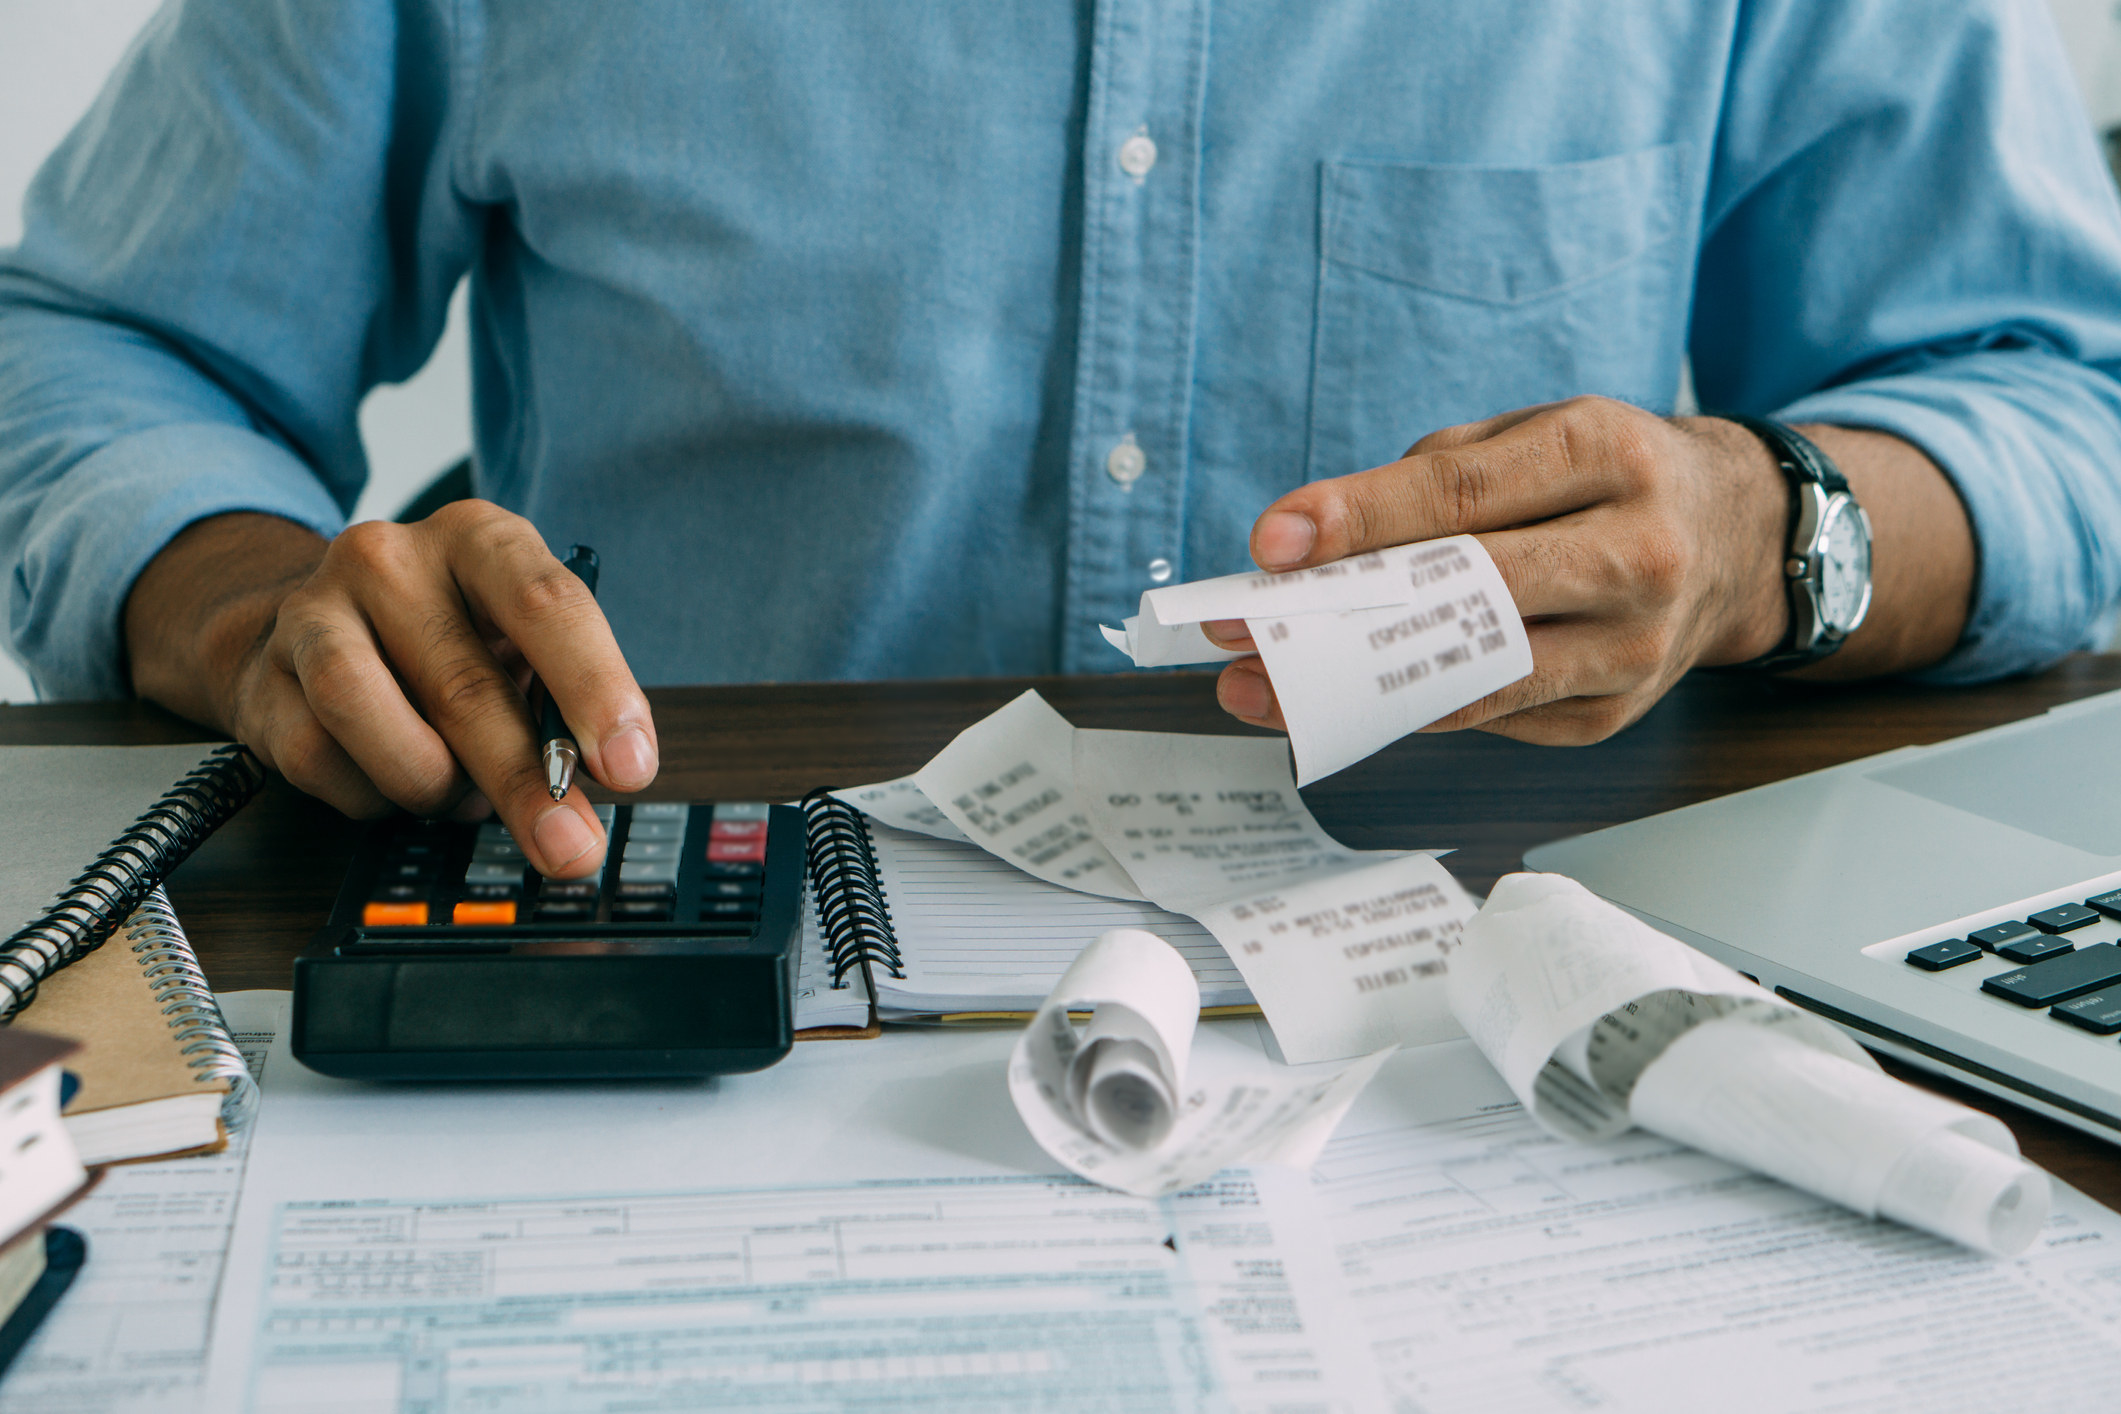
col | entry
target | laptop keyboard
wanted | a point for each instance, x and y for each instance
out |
(2063, 956)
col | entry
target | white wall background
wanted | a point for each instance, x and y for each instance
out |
(54, 55)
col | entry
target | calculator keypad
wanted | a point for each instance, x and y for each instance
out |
(672, 863)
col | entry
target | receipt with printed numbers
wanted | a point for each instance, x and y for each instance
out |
(1137, 1101)
(1361, 651)
(1599, 1023)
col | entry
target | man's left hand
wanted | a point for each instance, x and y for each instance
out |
(1636, 547)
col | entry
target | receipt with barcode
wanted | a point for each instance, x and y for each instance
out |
(1361, 651)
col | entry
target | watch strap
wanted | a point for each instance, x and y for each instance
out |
(1802, 462)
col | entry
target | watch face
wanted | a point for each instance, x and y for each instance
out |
(1845, 566)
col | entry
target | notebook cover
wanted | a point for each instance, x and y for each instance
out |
(64, 1252)
(128, 1052)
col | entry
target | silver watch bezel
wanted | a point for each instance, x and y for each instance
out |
(1817, 509)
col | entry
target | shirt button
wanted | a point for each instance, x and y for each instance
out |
(1159, 570)
(1137, 155)
(1126, 462)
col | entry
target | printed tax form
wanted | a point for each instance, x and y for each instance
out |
(864, 1226)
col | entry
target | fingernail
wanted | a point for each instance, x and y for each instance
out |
(1244, 693)
(1226, 630)
(1283, 538)
(562, 837)
(629, 759)
(472, 809)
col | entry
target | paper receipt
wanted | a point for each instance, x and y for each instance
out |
(1136, 1101)
(1362, 651)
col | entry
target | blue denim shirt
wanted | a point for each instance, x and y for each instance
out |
(899, 339)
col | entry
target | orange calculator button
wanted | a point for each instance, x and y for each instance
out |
(472, 913)
(394, 915)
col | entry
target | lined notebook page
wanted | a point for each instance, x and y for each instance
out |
(980, 935)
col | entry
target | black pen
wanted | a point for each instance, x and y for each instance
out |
(555, 739)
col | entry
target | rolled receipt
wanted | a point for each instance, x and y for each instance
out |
(1598, 1022)
(1361, 651)
(1137, 1101)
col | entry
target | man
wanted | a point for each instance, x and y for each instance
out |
(870, 339)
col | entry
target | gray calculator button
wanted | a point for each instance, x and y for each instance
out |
(741, 810)
(648, 871)
(493, 872)
(656, 830)
(651, 849)
(497, 851)
(661, 810)
(607, 814)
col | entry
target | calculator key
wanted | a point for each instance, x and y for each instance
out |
(2108, 904)
(1949, 953)
(405, 847)
(500, 851)
(493, 872)
(564, 911)
(400, 893)
(472, 913)
(2059, 978)
(655, 830)
(734, 868)
(576, 889)
(2098, 1012)
(491, 893)
(649, 889)
(741, 810)
(640, 910)
(1997, 934)
(737, 830)
(411, 871)
(2036, 948)
(2062, 918)
(606, 815)
(648, 871)
(661, 810)
(739, 888)
(381, 913)
(751, 851)
(651, 849)
(728, 910)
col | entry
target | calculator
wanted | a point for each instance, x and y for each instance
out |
(448, 958)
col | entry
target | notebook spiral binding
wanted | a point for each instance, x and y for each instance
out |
(187, 1003)
(106, 893)
(850, 902)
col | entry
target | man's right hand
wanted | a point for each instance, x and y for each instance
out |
(386, 667)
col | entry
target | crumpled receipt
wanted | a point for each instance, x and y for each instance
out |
(1361, 651)
(1137, 1101)
(1599, 1022)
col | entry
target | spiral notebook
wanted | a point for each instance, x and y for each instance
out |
(93, 951)
(941, 930)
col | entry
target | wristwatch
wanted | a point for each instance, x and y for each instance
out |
(1828, 567)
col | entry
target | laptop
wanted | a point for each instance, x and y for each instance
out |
(1954, 906)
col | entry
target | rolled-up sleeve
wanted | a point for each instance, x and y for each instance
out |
(252, 227)
(1910, 229)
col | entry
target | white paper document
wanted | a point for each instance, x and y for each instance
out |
(1343, 949)
(129, 1337)
(826, 1235)
(1362, 651)
(1131, 1102)
(1598, 1022)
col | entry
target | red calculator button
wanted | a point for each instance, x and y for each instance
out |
(737, 830)
(736, 851)
(472, 912)
(394, 915)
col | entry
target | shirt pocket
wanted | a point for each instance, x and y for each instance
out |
(1451, 293)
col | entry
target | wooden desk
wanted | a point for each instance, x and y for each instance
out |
(253, 894)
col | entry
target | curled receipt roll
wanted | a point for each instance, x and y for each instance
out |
(1598, 1022)
(1137, 1101)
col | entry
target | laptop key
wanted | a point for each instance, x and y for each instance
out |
(2108, 904)
(2099, 1012)
(2035, 947)
(2062, 918)
(1997, 934)
(2059, 978)
(1938, 956)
